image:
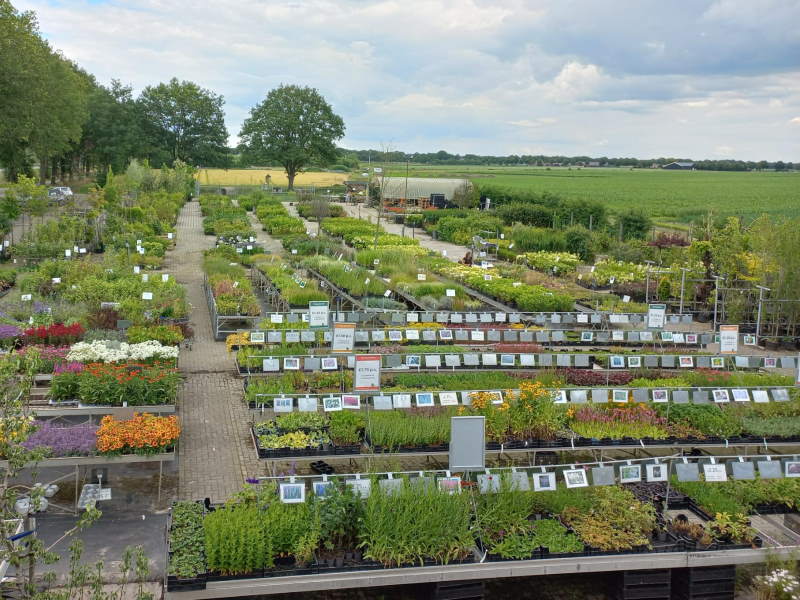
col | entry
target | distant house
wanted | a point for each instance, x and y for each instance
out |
(420, 192)
(679, 165)
(593, 163)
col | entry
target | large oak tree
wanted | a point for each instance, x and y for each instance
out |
(295, 127)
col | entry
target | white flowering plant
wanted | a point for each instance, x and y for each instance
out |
(109, 351)
(780, 584)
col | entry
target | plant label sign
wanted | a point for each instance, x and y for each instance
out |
(147, 295)
(344, 335)
(467, 443)
(367, 375)
(136, 270)
(169, 236)
(165, 277)
(728, 339)
(656, 316)
(421, 277)
(276, 318)
(450, 293)
(67, 253)
(318, 314)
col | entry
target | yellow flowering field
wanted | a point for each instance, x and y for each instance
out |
(257, 177)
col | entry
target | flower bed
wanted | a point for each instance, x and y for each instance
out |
(310, 434)
(356, 281)
(528, 298)
(60, 440)
(229, 283)
(284, 278)
(143, 434)
(110, 351)
(108, 384)
(57, 334)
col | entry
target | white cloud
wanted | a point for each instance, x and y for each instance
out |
(480, 76)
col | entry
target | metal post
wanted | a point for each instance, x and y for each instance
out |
(716, 298)
(761, 289)
(160, 475)
(647, 282)
(683, 284)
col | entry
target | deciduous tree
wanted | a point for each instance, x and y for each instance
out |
(295, 127)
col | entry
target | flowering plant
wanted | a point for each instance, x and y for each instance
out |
(8, 334)
(780, 584)
(136, 384)
(76, 440)
(110, 351)
(143, 434)
(56, 334)
(46, 356)
(637, 421)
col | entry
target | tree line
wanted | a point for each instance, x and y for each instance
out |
(57, 114)
(540, 160)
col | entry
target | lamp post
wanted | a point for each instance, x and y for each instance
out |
(405, 202)
(761, 290)
(683, 284)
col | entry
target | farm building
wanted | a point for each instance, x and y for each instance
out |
(679, 165)
(420, 192)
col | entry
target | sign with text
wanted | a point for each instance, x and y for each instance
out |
(344, 335)
(728, 339)
(318, 313)
(656, 316)
(367, 374)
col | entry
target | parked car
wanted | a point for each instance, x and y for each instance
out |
(59, 194)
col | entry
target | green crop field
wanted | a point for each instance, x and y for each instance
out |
(677, 196)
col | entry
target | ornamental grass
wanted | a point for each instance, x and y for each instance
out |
(143, 434)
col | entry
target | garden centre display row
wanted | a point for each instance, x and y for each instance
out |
(360, 522)
(356, 400)
(366, 336)
(400, 317)
(545, 478)
(524, 420)
(257, 363)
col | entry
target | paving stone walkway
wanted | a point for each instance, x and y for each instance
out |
(216, 453)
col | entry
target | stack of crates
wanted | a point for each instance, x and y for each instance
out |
(648, 584)
(705, 583)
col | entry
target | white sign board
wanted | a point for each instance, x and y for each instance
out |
(318, 313)
(728, 339)
(344, 335)
(656, 316)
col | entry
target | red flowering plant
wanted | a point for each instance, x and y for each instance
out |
(57, 334)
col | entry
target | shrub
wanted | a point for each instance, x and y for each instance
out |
(527, 214)
(168, 335)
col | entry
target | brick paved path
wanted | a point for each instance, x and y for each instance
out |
(216, 453)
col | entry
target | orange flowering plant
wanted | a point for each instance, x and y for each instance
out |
(137, 384)
(143, 434)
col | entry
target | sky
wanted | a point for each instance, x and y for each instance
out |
(701, 79)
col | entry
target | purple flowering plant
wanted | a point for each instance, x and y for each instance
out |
(60, 440)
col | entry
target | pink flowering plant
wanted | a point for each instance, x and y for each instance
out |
(628, 421)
